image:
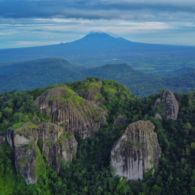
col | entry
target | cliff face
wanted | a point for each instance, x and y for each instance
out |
(137, 151)
(74, 113)
(55, 145)
(167, 105)
(23, 142)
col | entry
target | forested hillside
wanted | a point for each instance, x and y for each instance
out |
(98, 49)
(61, 140)
(28, 75)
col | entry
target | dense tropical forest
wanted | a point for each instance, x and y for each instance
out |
(90, 171)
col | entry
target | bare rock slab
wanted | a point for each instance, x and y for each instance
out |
(137, 151)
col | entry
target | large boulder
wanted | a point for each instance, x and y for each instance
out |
(25, 162)
(56, 145)
(66, 108)
(27, 140)
(137, 151)
(23, 142)
(167, 106)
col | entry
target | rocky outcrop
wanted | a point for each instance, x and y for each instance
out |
(167, 106)
(137, 151)
(66, 108)
(25, 162)
(55, 145)
(23, 142)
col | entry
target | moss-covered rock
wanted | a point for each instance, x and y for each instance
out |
(90, 89)
(23, 142)
(137, 151)
(69, 110)
(56, 145)
(30, 139)
(25, 162)
(167, 106)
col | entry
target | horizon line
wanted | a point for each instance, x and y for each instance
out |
(114, 36)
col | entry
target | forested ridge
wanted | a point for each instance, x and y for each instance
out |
(90, 171)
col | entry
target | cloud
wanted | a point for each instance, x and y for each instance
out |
(170, 2)
(33, 43)
(37, 22)
(157, 10)
(43, 31)
(62, 25)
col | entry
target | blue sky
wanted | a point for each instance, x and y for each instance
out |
(26, 23)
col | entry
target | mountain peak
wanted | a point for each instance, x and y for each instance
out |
(98, 36)
(95, 38)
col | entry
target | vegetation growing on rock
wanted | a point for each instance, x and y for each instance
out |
(76, 114)
(90, 171)
(167, 105)
(137, 151)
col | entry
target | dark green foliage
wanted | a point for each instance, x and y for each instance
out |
(90, 173)
(44, 72)
(36, 74)
(17, 108)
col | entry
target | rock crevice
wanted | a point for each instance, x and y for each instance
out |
(137, 151)
(55, 145)
(72, 112)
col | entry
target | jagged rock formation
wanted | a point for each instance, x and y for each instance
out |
(56, 146)
(23, 143)
(167, 106)
(66, 108)
(137, 151)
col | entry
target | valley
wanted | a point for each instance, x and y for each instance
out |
(100, 115)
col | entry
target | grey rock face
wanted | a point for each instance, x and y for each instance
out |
(20, 140)
(23, 142)
(167, 106)
(25, 162)
(137, 151)
(56, 146)
(9, 137)
(171, 105)
(68, 109)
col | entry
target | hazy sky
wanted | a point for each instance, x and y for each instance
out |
(40, 22)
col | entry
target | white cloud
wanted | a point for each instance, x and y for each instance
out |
(33, 43)
(168, 2)
(59, 23)
(87, 25)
